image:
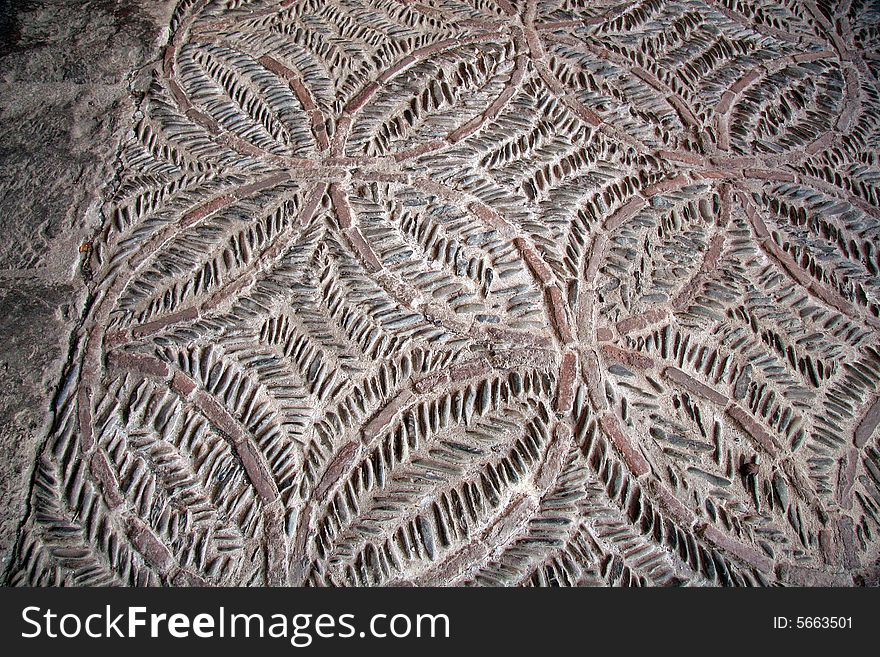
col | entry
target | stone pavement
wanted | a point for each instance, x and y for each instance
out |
(476, 292)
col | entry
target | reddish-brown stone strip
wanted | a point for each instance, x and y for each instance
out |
(251, 460)
(168, 60)
(847, 534)
(469, 370)
(565, 385)
(343, 125)
(148, 544)
(684, 112)
(671, 504)
(753, 429)
(198, 116)
(507, 525)
(828, 545)
(404, 293)
(597, 254)
(532, 41)
(382, 420)
(101, 470)
(558, 312)
(258, 472)
(695, 387)
(421, 149)
(506, 7)
(363, 97)
(298, 555)
(592, 374)
(851, 104)
(768, 174)
(186, 579)
(397, 67)
(745, 80)
(514, 516)
(744, 553)
(571, 101)
(431, 382)
(642, 320)
(688, 119)
(218, 416)
(681, 156)
(556, 25)
(342, 462)
(664, 186)
(244, 147)
(823, 142)
(714, 174)
(229, 290)
(536, 264)
(262, 184)
(868, 424)
(84, 419)
(633, 458)
(499, 334)
(179, 95)
(157, 325)
(145, 364)
(632, 359)
(341, 207)
(276, 545)
(182, 384)
(624, 213)
(846, 478)
(725, 102)
(206, 209)
(795, 575)
(356, 239)
(720, 122)
(509, 358)
(301, 91)
(554, 457)
(756, 222)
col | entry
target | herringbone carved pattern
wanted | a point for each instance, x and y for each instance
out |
(481, 292)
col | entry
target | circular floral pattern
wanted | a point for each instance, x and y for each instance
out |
(481, 292)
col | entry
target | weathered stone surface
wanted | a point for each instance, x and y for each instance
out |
(35, 319)
(474, 299)
(70, 78)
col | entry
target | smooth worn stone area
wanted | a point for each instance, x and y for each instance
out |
(70, 75)
(448, 292)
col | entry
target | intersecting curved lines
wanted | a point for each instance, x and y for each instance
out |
(395, 293)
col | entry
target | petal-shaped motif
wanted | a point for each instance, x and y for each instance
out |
(483, 292)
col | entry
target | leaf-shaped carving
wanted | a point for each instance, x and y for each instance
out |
(480, 293)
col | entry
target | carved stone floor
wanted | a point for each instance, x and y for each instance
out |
(469, 292)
